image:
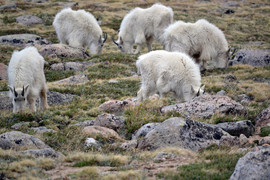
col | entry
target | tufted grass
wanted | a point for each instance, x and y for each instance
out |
(213, 164)
(247, 27)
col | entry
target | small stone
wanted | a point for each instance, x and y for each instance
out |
(129, 145)
(46, 152)
(42, 129)
(91, 142)
(116, 106)
(221, 93)
(58, 67)
(94, 131)
(18, 126)
(29, 20)
(84, 123)
(162, 156)
(74, 80)
(3, 72)
(110, 121)
(243, 140)
(113, 81)
(144, 130)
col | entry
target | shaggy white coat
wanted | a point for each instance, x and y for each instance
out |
(202, 40)
(27, 80)
(164, 72)
(78, 29)
(143, 26)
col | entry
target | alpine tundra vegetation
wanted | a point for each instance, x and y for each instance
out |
(95, 127)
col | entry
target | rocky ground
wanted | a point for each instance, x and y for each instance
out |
(95, 129)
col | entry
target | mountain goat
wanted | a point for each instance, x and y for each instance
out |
(79, 29)
(143, 26)
(164, 71)
(202, 40)
(27, 80)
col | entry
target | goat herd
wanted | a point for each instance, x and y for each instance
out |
(187, 48)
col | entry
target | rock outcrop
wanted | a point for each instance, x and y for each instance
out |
(206, 106)
(23, 40)
(254, 165)
(63, 51)
(183, 133)
(237, 128)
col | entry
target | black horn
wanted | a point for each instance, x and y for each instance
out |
(23, 91)
(15, 93)
(115, 42)
(105, 37)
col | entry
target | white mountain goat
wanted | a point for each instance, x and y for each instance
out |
(143, 26)
(201, 40)
(79, 29)
(27, 80)
(164, 72)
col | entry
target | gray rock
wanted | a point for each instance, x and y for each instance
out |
(58, 67)
(243, 140)
(252, 57)
(206, 106)
(243, 99)
(63, 51)
(183, 133)
(264, 140)
(237, 128)
(5, 101)
(42, 129)
(230, 78)
(254, 165)
(162, 156)
(221, 93)
(3, 72)
(29, 20)
(8, 7)
(110, 121)
(20, 125)
(229, 141)
(18, 140)
(73, 80)
(52, 98)
(129, 145)
(23, 40)
(46, 152)
(36, 1)
(116, 106)
(91, 142)
(84, 123)
(263, 119)
(74, 66)
(144, 130)
(113, 81)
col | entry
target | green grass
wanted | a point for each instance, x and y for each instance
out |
(265, 131)
(215, 165)
(52, 75)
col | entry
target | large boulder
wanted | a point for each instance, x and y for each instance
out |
(254, 165)
(183, 133)
(74, 66)
(144, 130)
(206, 106)
(263, 119)
(52, 98)
(20, 141)
(63, 51)
(238, 128)
(46, 152)
(29, 20)
(23, 40)
(3, 72)
(73, 80)
(110, 121)
(116, 106)
(256, 57)
(98, 131)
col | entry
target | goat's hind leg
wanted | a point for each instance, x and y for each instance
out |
(43, 105)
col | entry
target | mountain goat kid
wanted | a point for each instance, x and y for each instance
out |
(79, 29)
(27, 80)
(201, 40)
(143, 26)
(164, 71)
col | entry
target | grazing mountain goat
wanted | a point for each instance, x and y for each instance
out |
(142, 26)
(79, 29)
(201, 40)
(164, 71)
(27, 80)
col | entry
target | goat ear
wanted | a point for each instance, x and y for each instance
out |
(203, 87)
(100, 39)
(25, 89)
(11, 89)
(121, 40)
(192, 89)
